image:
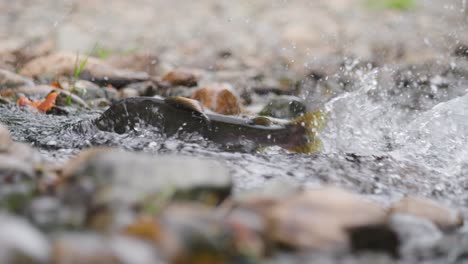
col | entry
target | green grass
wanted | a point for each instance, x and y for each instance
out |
(79, 67)
(400, 5)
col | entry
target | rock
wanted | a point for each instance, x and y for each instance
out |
(41, 91)
(10, 80)
(86, 90)
(286, 107)
(4, 101)
(105, 182)
(461, 51)
(21, 243)
(322, 218)
(16, 183)
(182, 77)
(219, 97)
(99, 103)
(442, 216)
(90, 248)
(192, 233)
(416, 234)
(139, 61)
(148, 88)
(128, 92)
(45, 213)
(5, 139)
(95, 70)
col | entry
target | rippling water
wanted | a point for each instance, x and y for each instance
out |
(371, 144)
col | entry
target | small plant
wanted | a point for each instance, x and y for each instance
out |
(79, 67)
(401, 5)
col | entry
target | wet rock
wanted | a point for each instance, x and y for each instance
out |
(10, 80)
(95, 70)
(21, 243)
(286, 107)
(219, 97)
(5, 139)
(182, 77)
(322, 219)
(4, 101)
(461, 51)
(139, 61)
(89, 248)
(442, 216)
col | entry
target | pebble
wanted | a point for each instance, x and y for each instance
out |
(220, 98)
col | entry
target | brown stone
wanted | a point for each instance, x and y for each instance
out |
(442, 216)
(182, 77)
(321, 218)
(218, 97)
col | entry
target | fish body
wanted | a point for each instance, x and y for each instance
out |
(176, 114)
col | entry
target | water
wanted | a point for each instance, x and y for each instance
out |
(372, 144)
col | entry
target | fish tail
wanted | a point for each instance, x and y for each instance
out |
(313, 123)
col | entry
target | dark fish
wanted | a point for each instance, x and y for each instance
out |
(178, 114)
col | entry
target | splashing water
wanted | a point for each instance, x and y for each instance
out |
(436, 138)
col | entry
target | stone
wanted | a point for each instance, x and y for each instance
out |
(5, 139)
(416, 234)
(95, 70)
(16, 183)
(130, 176)
(444, 217)
(21, 243)
(91, 248)
(10, 80)
(107, 185)
(285, 107)
(182, 77)
(148, 88)
(128, 92)
(321, 218)
(219, 97)
(193, 233)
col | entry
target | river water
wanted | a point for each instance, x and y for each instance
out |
(373, 143)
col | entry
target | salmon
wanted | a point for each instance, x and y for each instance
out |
(178, 114)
